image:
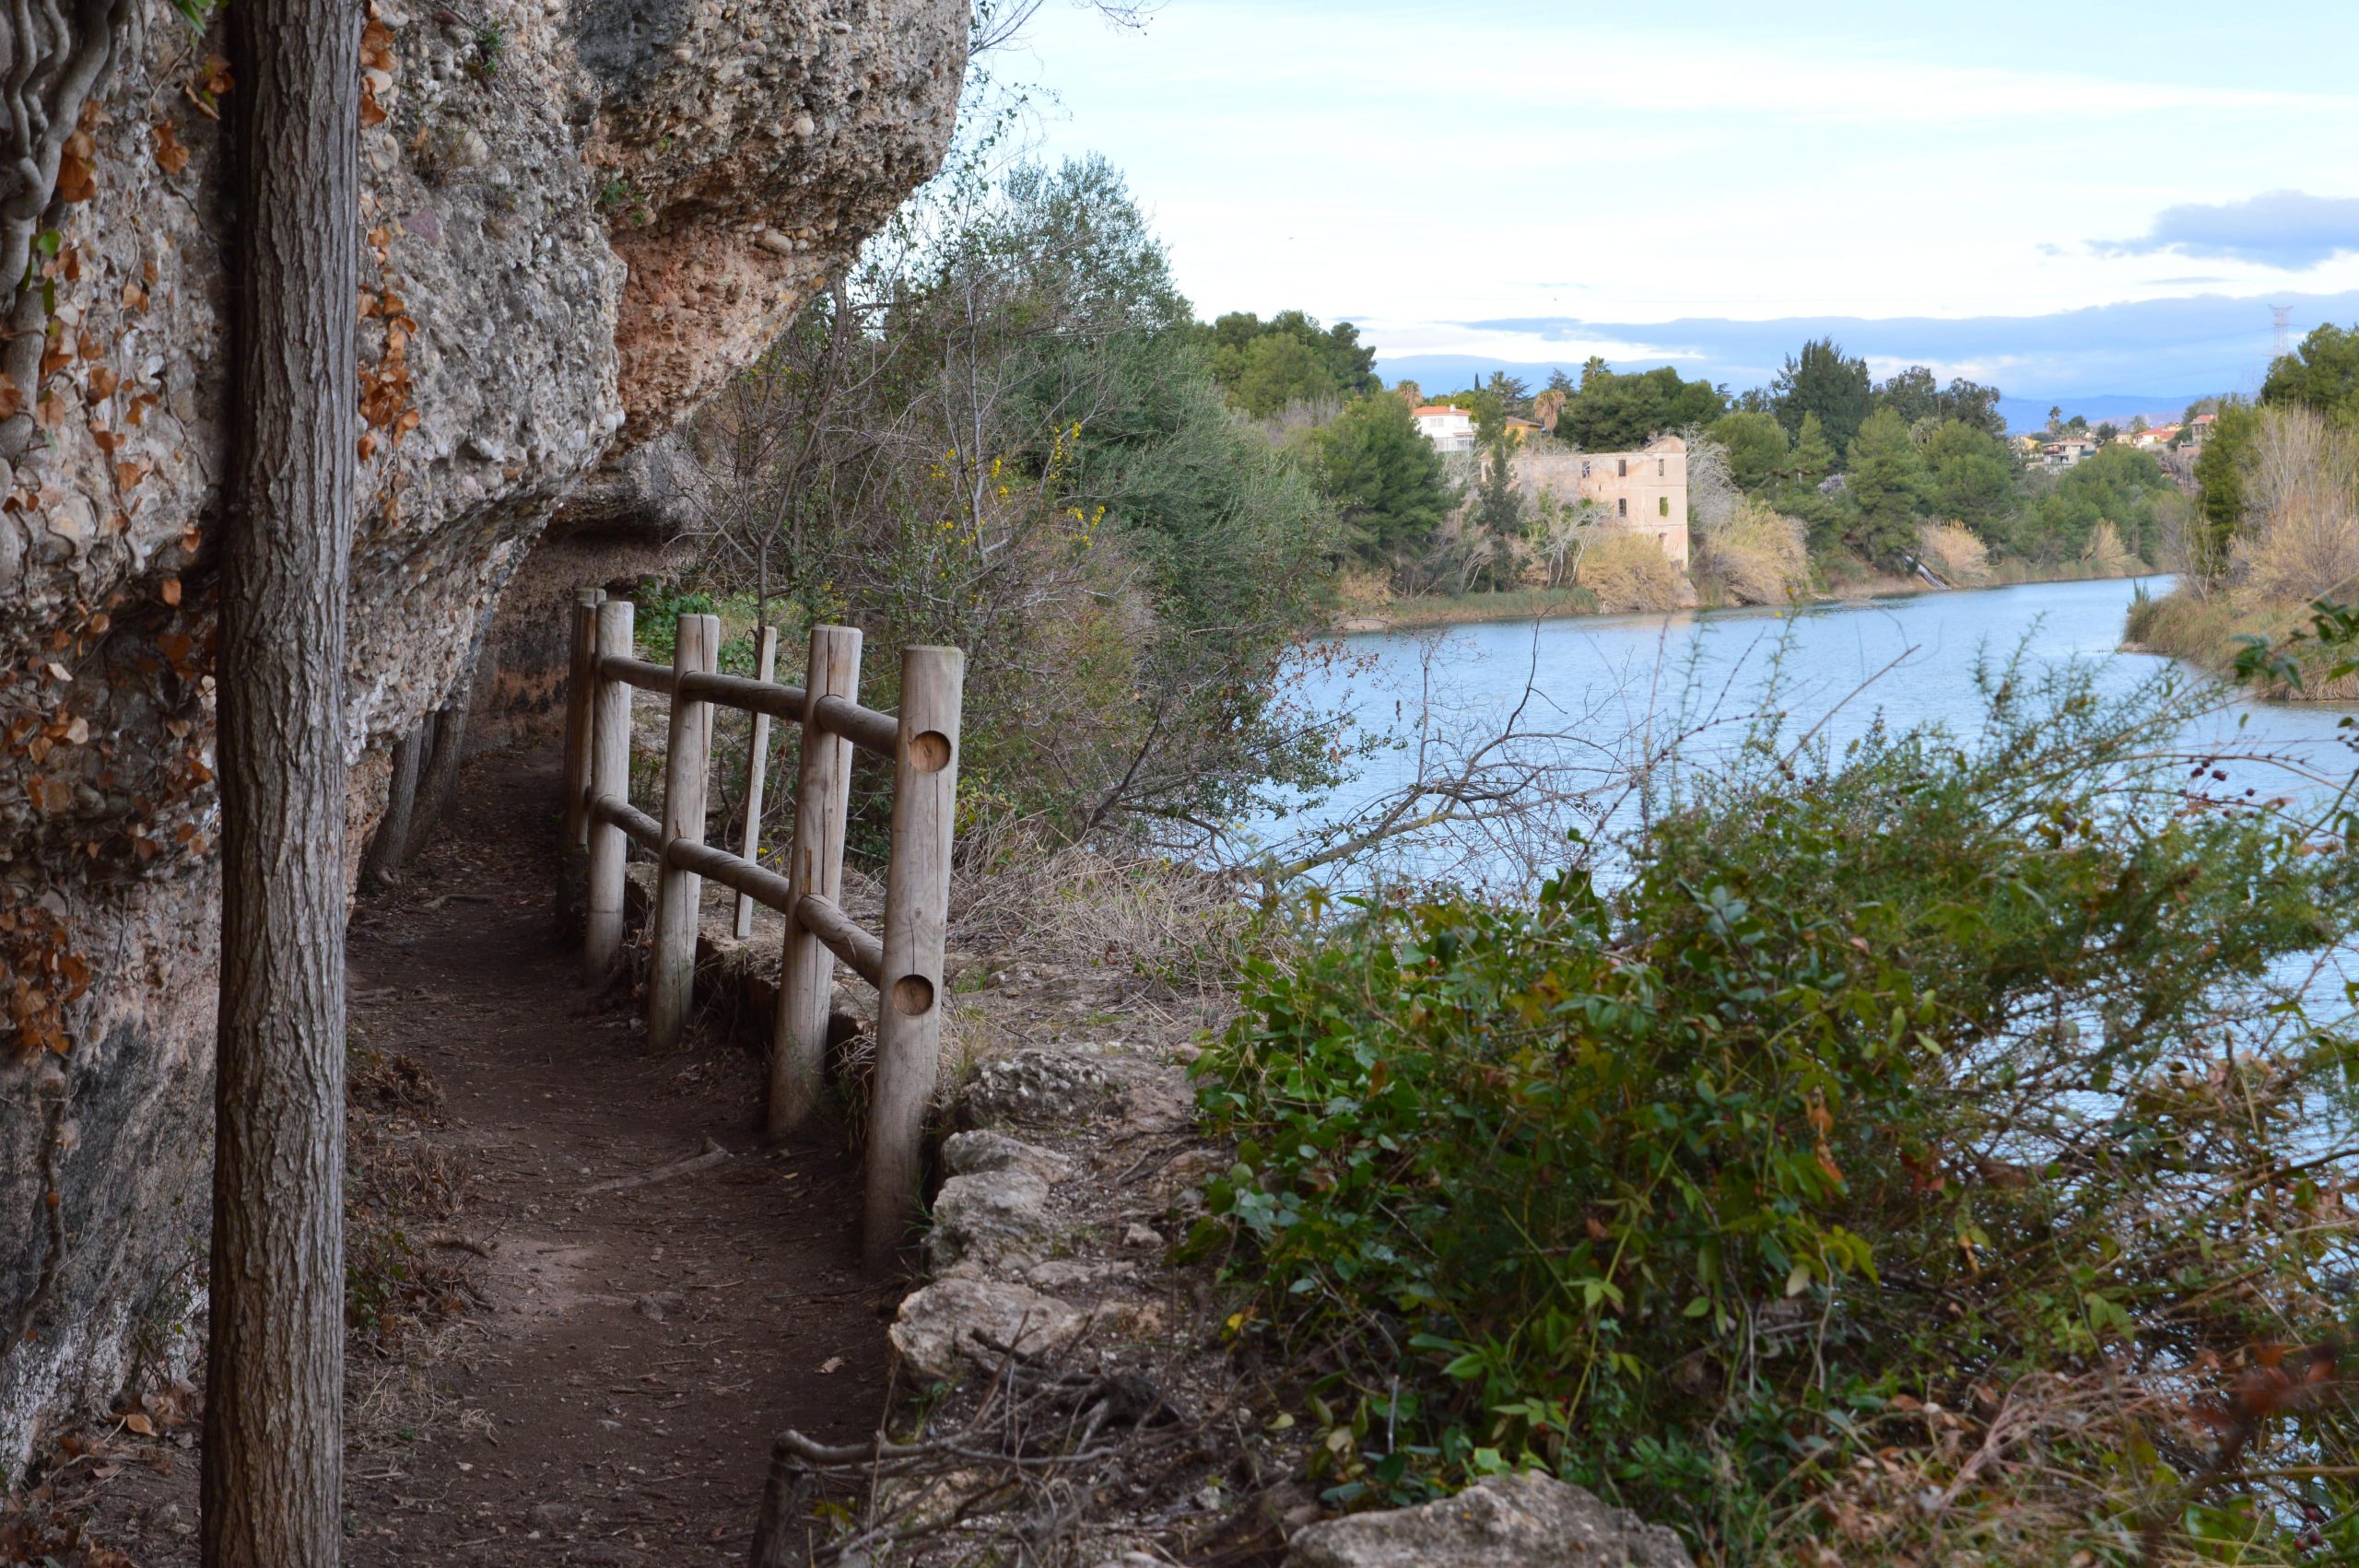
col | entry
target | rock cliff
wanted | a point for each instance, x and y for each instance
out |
(581, 217)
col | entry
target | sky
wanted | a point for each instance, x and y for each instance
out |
(2067, 202)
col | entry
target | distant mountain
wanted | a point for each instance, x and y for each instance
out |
(2025, 415)
(1438, 373)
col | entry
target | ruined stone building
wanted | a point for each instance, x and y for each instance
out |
(1643, 491)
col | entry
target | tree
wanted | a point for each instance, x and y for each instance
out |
(1821, 380)
(1559, 382)
(1385, 479)
(1618, 412)
(1277, 369)
(2221, 469)
(1886, 485)
(1514, 396)
(1498, 505)
(2323, 373)
(1972, 478)
(1005, 435)
(1916, 396)
(2107, 433)
(1814, 455)
(1346, 367)
(1756, 446)
(2117, 486)
(273, 1462)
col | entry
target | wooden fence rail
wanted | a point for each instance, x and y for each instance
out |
(903, 962)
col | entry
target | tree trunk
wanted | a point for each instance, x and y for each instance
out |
(389, 844)
(273, 1401)
(438, 785)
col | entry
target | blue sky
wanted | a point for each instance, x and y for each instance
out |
(2067, 203)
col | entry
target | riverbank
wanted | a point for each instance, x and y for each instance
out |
(1431, 610)
(2207, 630)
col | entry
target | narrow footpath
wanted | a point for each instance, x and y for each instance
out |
(609, 1355)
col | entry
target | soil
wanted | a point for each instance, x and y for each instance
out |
(563, 1370)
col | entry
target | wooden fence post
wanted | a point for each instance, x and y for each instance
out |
(609, 774)
(687, 763)
(758, 756)
(815, 864)
(581, 685)
(916, 903)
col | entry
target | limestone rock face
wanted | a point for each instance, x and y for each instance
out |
(1518, 1521)
(580, 217)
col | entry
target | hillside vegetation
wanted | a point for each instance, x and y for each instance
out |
(2277, 527)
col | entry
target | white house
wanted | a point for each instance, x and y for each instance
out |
(1449, 430)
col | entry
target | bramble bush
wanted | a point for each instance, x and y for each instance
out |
(1926, 1148)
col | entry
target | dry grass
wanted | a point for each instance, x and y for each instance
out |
(2106, 555)
(1753, 557)
(1629, 572)
(2300, 541)
(1141, 913)
(2203, 629)
(1362, 590)
(1954, 555)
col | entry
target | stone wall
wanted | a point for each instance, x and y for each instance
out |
(582, 216)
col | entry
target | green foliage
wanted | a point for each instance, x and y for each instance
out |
(2115, 485)
(655, 625)
(2221, 469)
(1935, 1070)
(1499, 502)
(2322, 373)
(1822, 381)
(1387, 482)
(1264, 366)
(1887, 488)
(1612, 411)
(1003, 433)
(1916, 396)
(1972, 477)
(1756, 446)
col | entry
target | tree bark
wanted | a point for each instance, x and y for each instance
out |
(388, 844)
(438, 785)
(274, 1368)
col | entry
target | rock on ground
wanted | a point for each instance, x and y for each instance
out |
(936, 1322)
(1044, 1087)
(1518, 1521)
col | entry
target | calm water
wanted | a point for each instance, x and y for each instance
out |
(1590, 685)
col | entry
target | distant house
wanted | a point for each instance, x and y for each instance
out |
(2154, 439)
(2068, 452)
(1449, 430)
(2198, 430)
(1520, 429)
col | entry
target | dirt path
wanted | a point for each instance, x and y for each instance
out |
(609, 1395)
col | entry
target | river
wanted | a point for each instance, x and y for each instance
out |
(1588, 684)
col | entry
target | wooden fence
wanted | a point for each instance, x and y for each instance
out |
(903, 962)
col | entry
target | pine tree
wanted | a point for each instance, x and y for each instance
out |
(1885, 486)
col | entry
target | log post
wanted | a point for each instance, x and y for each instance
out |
(917, 904)
(609, 774)
(757, 757)
(580, 683)
(679, 893)
(815, 864)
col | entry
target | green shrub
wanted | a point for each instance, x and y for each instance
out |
(1930, 1076)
